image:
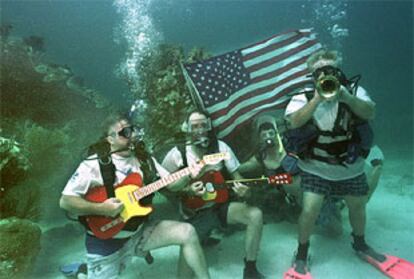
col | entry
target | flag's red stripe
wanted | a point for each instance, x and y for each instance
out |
(282, 56)
(255, 93)
(272, 47)
(250, 107)
(275, 36)
(265, 89)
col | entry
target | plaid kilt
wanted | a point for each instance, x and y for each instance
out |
(356, 186)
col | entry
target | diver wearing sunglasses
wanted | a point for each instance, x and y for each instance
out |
(129, 131)
(107, 256)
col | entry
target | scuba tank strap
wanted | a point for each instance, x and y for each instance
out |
(147, 163)
(108, 176)
(182, 149)
(106, 167)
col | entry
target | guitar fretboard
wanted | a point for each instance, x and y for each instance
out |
(155, 186)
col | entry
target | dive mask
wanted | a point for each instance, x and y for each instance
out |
(199, 126)
(328, 71)
(130, 131)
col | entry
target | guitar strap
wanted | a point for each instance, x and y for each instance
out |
(182, 149)
(147, 167)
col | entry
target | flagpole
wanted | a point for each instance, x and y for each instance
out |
(195, 95)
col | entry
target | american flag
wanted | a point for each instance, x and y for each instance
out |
(234, 87)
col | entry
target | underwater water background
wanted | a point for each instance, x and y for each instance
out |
(91, 37)
(379, 44)
(94, 37)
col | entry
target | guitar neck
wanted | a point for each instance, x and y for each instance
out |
(161, 183)
(278, 179)
(246, 180)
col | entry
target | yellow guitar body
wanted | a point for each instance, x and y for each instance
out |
(132, 208)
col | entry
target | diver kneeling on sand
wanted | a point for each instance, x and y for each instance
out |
(104, 192)
(205, 201)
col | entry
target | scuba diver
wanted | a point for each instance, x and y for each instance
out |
(96, 194)
(269, 157)
(205, 201)
(330, 133)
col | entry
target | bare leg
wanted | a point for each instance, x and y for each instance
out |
(312, 204)
(295, 189)
(373, 179)
(252, 217)
(184, 270)
(356, 206)
(192, 258)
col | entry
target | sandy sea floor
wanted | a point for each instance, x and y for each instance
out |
(390, 229)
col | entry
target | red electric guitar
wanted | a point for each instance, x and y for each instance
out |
(216, 188)
(130, 191)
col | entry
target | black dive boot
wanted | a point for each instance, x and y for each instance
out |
(364, 251)
(250, 271)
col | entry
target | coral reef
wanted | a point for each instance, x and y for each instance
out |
(41, 87)
(14, 164)
(165, 94)
(19, 247)
(45, 123)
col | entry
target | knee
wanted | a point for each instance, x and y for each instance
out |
(188, 233)
(255, 216)
(310, 212)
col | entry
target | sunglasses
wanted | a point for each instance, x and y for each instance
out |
(128, 131)
(265, 134)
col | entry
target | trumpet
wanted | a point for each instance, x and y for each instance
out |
(328, 86)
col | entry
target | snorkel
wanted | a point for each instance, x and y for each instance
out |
(269, 136)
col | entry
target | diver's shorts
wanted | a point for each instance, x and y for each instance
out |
(111, 266)
(208, 219)
(357, 186)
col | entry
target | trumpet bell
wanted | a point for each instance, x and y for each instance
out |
(328, 86)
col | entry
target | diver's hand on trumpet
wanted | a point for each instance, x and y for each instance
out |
(344, 95)
(317, 98)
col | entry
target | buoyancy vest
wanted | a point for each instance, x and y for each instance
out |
(350, 138)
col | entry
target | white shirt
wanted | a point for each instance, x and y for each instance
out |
(325, 116)
(173, 160)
